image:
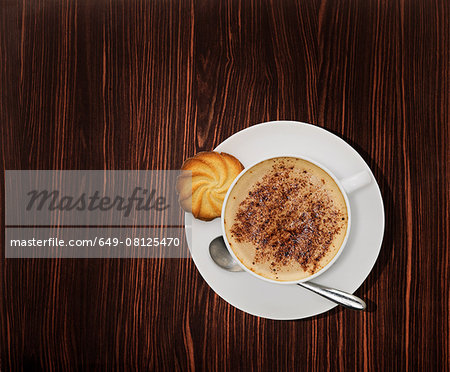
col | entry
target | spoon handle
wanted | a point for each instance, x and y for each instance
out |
(340, 297)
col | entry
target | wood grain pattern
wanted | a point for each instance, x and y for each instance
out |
(143, 85)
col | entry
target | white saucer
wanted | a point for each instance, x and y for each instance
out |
(283, 302)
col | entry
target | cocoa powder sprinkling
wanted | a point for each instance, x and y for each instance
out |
(288, 216)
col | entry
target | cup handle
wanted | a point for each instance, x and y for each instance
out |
(356, 181)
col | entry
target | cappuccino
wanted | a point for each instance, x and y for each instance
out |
(285, 219)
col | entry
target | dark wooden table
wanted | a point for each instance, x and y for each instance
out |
(144, 84)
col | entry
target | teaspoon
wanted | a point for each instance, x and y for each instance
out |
(222, 257)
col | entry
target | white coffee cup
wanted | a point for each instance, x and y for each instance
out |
(346, 186)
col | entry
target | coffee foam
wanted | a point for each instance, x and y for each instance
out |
(285, 219)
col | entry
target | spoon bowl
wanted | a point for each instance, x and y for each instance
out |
(220, 255)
